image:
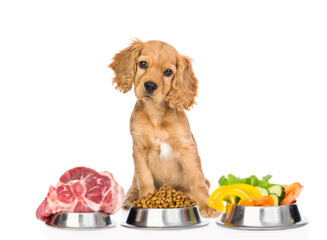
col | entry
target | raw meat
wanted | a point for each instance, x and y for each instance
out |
(82, 189)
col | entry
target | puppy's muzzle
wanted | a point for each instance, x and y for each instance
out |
(150, 87)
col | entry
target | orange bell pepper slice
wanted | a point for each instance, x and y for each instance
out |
(292, 191)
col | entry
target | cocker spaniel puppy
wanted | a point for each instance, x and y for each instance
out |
(164, 149)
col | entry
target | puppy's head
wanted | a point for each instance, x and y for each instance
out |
(159, 73)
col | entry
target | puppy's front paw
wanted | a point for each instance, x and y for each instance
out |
(144, 192)
(128, 202)
(208, 212)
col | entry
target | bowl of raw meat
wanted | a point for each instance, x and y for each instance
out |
(82, 199)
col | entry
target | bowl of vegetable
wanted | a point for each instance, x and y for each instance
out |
(255, 204)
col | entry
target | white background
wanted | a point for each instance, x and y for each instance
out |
(261, 103)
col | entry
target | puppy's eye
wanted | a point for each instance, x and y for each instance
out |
(143, 64)
(168, 72)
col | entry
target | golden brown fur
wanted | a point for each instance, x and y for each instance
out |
(164, 149)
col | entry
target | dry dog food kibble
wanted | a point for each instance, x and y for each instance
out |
(165, 197)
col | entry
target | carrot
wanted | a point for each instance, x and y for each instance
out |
(258, 202)
(263, 201)
(246, 202)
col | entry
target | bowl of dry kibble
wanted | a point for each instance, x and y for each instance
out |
(164, 208)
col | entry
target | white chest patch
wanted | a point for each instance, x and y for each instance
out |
(164, 149)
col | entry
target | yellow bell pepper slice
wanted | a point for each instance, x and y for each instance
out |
(217, 202)
(249, 189)
(243, 191)
(253, 192)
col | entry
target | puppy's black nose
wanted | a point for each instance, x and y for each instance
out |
(150, 87)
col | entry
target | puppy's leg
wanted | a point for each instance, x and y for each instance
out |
(143, 174)
(132, 195)
(201, 194)
(205, 210)
(199, 186)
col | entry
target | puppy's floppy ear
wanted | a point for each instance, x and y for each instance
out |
(124, 66)
(184, 85)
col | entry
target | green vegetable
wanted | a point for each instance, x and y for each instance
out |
(279, 190)
(245, 180)
(252, 180)
(223, 181)
(263, 191)
(276, 199)
(266, 178)
(264, 181)
(232, 179)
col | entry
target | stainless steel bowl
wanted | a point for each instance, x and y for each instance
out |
(82, 221)
(159, 218)
(262, 218)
